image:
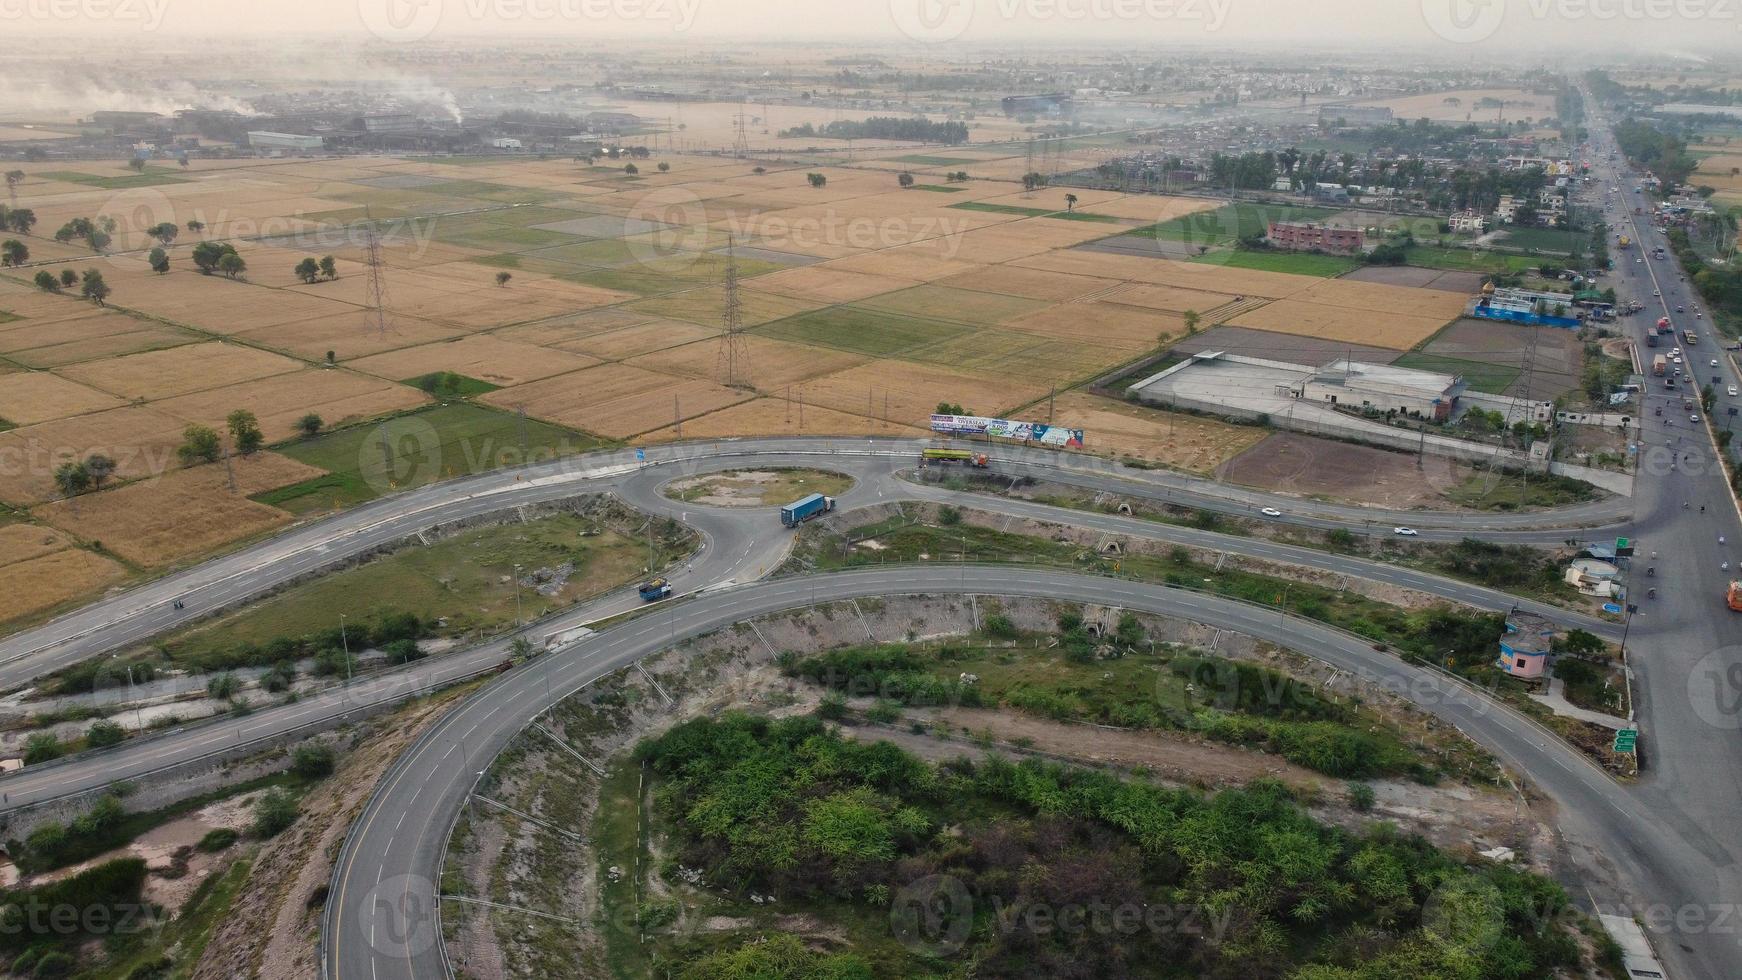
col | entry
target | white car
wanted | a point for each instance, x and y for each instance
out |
(1714, 362)
(1693, 418)
(1732, 391)
(1404, 531)
(1271, 512)
(1656, 293)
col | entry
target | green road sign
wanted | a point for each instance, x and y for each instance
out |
(1626, 739)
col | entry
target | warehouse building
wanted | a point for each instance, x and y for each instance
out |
(1383, 389)
(283, 141)
(1308, 237)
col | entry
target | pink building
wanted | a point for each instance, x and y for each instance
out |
(1302, 237)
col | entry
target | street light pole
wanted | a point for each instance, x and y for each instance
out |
(345, 644)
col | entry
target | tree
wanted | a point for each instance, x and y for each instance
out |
(503, 277)
(817, 180)
(68, 278)
(231, 264)
(163, 231)
(664, 167)
(159, 260)
(308, 270)
(92, 286)
(309, 425)
(13, 179)
(196, 226)
(904, 179)
(13, 252)
(41, 747)
(1032, 180)
(199, 442)
(245, 431)
(1191, 318)
(100, 467)
(206, 255)
(1070, 202)
(72, 479)
(46, 282)
(136, 165)
(631, 169)
(312, 761)
(21, 220)
(329, 267)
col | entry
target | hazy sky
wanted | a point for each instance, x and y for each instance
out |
(1477, 26)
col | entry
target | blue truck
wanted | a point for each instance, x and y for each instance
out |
(799, 511)
(655, 590)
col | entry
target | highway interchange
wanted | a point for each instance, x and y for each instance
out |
(1668, 841)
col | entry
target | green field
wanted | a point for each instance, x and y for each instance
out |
(425, 446)
(1557, 240)
(1002, 209)
(450, 384)
(152, 177)
(860, 331)
(1296, 263)
(958, 305)
(921, 160)
(937, 188)
(1228, 223)
(1466, 260)
(466, 579)
(1491, 378)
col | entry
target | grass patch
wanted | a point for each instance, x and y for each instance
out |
(422, 447)
(621, 843)
(1557, 240)
(152, 177)
(1227, 224)
(1469, 260)
(760, 488)
(465, 582)
(450, 384)
(860, 331)
(1510, 491)
(188, 934)
(936, 188)
(1002, 209)
(1491, 378)
(1294, 263)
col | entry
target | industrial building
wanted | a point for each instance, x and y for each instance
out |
(260, 139)
(1310, 237)
(1051, 104)
(1382, 389)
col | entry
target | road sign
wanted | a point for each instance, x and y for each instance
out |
(641, 455)
(1626, 740)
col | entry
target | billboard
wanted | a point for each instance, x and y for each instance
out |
(974, 425)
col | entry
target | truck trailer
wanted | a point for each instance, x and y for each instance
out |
(655, 590)
(799, 511)
(937, 455)
(1658, 364)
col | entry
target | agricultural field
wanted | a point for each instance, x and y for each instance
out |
(584, 307)
(41, 568)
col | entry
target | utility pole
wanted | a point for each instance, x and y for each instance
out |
(345, 644)
(517, 616)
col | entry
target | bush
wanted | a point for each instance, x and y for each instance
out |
(833, 706)
(41, 747)
(949, 516)
(312, 761)
(1361, 797)
(273, 812)
(104, 734)
(216, 840)
(223, 687)
(999, 625)
(656, 914)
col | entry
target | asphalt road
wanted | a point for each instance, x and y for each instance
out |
(379, 923)
(148, 610)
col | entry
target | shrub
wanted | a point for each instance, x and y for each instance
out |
(41, 747)
(104, 734)
(949, 516)
(216, 840)
(312, 761)
(1361, 797)
(273, 812)
(999, 625)
(55, 964)
(833, 706)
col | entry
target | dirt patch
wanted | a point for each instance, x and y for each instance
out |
(756, 488)
(1186, 442)
(1300, 465)
(1279, 347)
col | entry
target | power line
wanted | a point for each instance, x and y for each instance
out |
(734, 358)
